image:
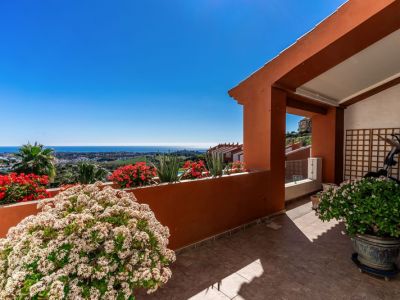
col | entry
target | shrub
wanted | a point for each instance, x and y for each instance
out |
(235, 167)
(90, 173)
(168, 168)
(138, 174)
(367, 206)
(86, 243)
(22, 187)
(215, 163)
(194, 170)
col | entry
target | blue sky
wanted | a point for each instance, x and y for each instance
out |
(137, 72)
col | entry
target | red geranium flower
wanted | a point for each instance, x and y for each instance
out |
(133, 175)
(194, 170)
(22, 187)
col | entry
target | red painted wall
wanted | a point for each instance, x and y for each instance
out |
(192, 210)
(327, 143)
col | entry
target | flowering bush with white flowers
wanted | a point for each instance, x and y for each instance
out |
(367, 206)
(86, 243)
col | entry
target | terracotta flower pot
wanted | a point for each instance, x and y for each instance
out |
(376, 252)
(315, 199)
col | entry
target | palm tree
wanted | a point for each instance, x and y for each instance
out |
(35, 159)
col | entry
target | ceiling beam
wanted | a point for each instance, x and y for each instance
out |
(302, 105)
(371, 92)
(304, 108)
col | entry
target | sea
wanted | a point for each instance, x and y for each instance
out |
(99, 149)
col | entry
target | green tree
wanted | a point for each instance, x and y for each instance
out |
(35, 159)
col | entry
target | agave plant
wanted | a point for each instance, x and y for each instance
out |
(35, 159)
(89, 173)
(215, 163)
(168, 168)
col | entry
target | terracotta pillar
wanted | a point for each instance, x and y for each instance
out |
(327, 143)
(256, 133)
(264, 141)
(277, 146)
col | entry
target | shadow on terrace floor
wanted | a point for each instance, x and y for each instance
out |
(302, 259)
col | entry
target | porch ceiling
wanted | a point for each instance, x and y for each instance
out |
(364, 71)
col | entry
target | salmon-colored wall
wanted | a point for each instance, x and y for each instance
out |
(13, 214)
(327, 143)
(193, 210)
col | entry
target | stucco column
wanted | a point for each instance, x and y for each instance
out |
(327, 143)
(264, 140)
(256, 132)
(277, 146)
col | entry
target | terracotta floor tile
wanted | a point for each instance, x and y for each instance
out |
(231, 284)
(304, 259)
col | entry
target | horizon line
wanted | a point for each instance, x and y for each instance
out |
(192, 145)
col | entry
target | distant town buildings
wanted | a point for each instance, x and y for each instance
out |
(230, 152)
(6, 163)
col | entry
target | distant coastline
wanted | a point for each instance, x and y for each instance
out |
(108, 149)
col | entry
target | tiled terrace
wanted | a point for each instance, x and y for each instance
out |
(296, 256)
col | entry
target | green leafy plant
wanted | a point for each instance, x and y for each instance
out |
(368, 206)
(215, 163)
(90, 173)
(35, 159)
(168, 168)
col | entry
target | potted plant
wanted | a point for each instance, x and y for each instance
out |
(315, 199)
(370, 210)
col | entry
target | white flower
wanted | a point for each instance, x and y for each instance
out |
(82, 236)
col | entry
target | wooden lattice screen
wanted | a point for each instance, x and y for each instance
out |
(365, 151)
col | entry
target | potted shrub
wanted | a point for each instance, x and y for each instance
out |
(86, 243)
(370, 210)
(315, 199)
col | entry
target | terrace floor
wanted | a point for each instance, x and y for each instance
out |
(296, 256)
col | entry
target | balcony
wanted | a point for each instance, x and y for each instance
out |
(290, 256)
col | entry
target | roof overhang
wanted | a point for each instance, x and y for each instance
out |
(351, 52)
(376, 66)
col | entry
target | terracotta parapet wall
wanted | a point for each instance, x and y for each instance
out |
(193, 210)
